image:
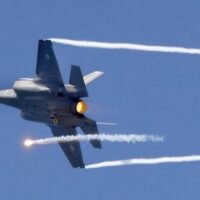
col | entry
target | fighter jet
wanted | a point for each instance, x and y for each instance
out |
(48, 100)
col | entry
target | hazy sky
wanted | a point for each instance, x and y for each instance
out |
(147, 93)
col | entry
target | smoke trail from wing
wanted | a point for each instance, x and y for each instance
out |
(146, 161)
(126, 46)
(131, 138)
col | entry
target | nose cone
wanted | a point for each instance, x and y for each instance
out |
(8, 94)
(9, 97)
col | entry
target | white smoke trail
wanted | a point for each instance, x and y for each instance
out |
(145, 161)
(132, 138)
(126, 46)
(107, 123)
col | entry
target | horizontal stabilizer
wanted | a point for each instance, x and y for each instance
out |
(92, 76)
(90, 127)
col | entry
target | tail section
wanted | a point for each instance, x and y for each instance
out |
(76, 87)
(90, 127)
(91, 77)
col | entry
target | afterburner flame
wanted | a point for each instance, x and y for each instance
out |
(28, 142)
(81, 107)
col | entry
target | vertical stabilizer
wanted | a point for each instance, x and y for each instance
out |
(76, 80)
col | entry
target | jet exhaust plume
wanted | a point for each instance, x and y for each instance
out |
(126, 46)
(145, 161)
(131, 138)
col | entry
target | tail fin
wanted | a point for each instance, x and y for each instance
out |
(77, 85)
(90, 127)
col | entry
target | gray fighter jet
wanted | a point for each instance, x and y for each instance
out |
(47, 99)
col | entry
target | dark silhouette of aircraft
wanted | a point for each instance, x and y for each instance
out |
(47, 99)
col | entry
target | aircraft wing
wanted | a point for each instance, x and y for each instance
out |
(71, 149)
(47, 69)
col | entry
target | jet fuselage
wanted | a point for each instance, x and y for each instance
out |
(37, 102)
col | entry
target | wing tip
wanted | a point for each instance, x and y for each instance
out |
(45, 41)
(78, 165)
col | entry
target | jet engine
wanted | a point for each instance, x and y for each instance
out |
(79, 107)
